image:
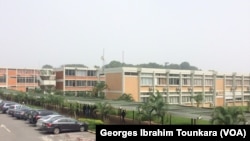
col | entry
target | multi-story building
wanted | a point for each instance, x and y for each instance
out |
(20, 79)
(77, 79)
(179, 86)
(47, 80)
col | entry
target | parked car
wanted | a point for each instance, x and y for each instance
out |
(46, 118)
(20, 113)
(64, 124)
(5, 106)
(12, 108)
(28, 114)
(37, 114)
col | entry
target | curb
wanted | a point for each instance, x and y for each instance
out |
(90, 131)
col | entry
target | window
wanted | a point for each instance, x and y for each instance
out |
(131, 73)
(146, 74)
(80, 83)
(229, 82)
(174, 81)
(70, 72)
(160, 74)
(147, 81)
(3, 79)
(186, 99)
(92, 73)
(174, 100)
(91, 83)
(239, 82)
(246, 82)
(208, 98)
(198, 82)
(161, 81)
(186, 81)
(70, 83)
(209, 82)
(81, 73)
(20, 79)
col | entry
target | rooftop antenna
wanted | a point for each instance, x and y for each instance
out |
(103, 60)
(122, 58)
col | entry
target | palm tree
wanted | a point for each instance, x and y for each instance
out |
(126, 97)
(198, 99)
(97, 91)
(154, 107)
(158, 105)
(228, 116)
(103, 109)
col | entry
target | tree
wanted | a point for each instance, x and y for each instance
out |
(228, 116)
(154, 107)
(198, 99)
(47, 66)
(248, 106)
(98, 89)
(126, 97)
(103, 109)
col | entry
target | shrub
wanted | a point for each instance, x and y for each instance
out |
(92, 122)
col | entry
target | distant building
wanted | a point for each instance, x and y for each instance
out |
(72, 80)
(179, 86)
(47, 80)
(20, 79)
(77, 79)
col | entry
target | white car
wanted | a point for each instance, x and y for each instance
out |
(46, 118)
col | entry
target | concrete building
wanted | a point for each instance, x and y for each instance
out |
(47, 80)
(20, 79)
(77, 79)
(67, 79)
(179, 86)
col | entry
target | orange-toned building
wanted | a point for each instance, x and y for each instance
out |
(77, 79)
(179, 86)
(20, 79)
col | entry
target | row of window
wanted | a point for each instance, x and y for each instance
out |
(27, 80)
(175, 81)
(24, 71)
(238, 82)
(79, 83)
(176, 99)
(185, 75)
(80, 73)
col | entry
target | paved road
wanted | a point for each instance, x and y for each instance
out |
(12, 129)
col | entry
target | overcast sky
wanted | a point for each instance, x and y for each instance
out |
(209, 34)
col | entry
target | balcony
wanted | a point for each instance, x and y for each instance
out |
(47, 82)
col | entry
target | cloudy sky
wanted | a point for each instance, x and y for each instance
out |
(209, 34)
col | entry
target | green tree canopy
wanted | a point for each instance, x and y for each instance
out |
(228, 116)
(183, 65)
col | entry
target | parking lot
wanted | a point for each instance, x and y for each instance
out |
(12, 129)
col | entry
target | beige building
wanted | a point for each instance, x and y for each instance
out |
(178, 86)
(77, 79)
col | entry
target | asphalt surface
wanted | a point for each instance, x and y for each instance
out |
(12, 129)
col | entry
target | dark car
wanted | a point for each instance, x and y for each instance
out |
(64, 124)
(19, 113)
(5, 106)
(37, 114)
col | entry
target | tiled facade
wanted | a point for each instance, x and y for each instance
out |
(178, 86)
